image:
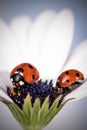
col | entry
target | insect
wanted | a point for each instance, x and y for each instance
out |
(69, 80)
(24, 73)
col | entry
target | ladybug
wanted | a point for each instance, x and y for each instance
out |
(69, 77)
(24, 73)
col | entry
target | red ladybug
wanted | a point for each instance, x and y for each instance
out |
(69, 77)
(24, 73)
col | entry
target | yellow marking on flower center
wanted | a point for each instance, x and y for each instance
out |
(19, 94)
(13, 93)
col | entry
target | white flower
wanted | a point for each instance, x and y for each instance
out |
(45, 43)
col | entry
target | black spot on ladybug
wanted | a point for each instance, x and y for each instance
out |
(30, 66)
(67, 80)
(67, 72)
(33, 76)
(20, 70)
(77, 74)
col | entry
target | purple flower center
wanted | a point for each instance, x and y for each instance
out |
(39, 90)
(36, 90)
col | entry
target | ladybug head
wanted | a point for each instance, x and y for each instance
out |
(17, 78)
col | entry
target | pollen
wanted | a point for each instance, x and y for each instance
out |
(13, 92)
(19, 94)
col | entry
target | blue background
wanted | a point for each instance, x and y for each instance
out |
(74, 115)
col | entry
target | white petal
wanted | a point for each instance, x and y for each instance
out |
(21, 26)
(10, 55)
(37, 34)
(4, 96)
(78, 93)
(56, 44)
(5, 80)
(78, 59)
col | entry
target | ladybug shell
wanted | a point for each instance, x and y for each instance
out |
(69, 77)
(28, 72)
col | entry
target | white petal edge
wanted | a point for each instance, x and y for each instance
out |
(5, 80)
(78, 93)
(10, 54)
(4, 96)
(37, 34)
(78, 59)
(21, 26)
(56, 44)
